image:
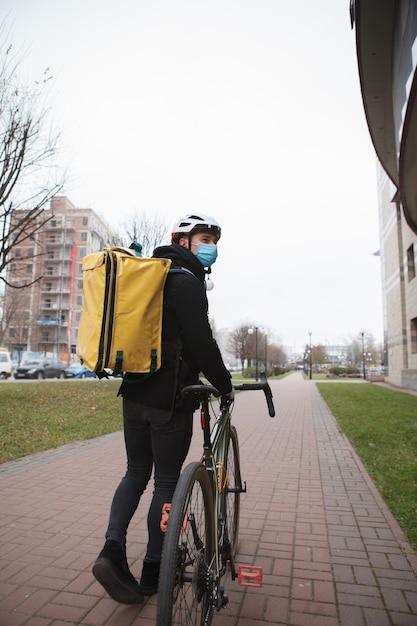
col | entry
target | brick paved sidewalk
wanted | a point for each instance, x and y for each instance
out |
(331, 553)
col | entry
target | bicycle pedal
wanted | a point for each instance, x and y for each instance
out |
(249, 576)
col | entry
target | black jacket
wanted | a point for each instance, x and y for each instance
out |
(188, 346)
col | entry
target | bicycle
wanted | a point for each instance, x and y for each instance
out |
(202, 522)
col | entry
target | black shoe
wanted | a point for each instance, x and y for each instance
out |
(112, 572)
(149, 579)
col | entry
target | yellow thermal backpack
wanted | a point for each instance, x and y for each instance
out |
(121, 318)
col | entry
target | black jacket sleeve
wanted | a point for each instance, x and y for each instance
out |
(186, 302)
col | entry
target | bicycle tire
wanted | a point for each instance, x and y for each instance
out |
(186, 582)
(233, 491)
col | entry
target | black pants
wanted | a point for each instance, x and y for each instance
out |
(149, 444)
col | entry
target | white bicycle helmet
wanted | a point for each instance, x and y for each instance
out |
(195, 223)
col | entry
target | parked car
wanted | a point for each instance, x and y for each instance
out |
(6, 364)
(76, 370)
(40, 368)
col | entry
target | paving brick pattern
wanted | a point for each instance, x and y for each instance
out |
(331, 553)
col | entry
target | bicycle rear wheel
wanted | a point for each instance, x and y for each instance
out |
(186, 580)
(233, 491)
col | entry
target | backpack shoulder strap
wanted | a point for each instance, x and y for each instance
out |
(179, 270)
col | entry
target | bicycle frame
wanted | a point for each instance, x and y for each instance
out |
(214, 456)
(214, 459)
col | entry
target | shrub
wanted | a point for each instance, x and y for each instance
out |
(344, 371)
(250, 372)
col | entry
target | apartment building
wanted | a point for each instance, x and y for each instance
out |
(44, 316)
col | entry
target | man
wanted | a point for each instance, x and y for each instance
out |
(157, 422)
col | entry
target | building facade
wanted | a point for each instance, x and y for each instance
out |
(386, 45)
(44, 316)
(399, 279)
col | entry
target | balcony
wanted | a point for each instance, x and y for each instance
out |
(53, 290)
(54, 306)
(53, 242)
(58, 259)
(53, 272)
(47, 321)
(55, 226)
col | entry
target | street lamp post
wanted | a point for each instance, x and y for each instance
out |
(311, 359)
(363, 356)
(250, 331)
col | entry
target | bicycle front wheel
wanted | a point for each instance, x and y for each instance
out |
(186, 581)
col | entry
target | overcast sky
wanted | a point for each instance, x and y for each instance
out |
(247, 110)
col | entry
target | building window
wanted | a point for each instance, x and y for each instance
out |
(25, 333)
(49, 270)
(84, 236)
(18, 252)
(47, 303)
(411, 266)
(29, 268)
(85, 221)
(11, 332)
(83, 252)
(79, 300)
(414, 336)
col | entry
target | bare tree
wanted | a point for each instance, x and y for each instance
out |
(319, 355)
(149, 231)
(373, 351)
(28, 177)
(276, 355)
(15, 310)
(242, 343)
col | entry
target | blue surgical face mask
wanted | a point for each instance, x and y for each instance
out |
(206, 254)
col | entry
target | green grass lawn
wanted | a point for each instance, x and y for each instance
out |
(37, 416)
(381, 425)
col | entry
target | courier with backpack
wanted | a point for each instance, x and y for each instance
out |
(121, 320)
(157, 421)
